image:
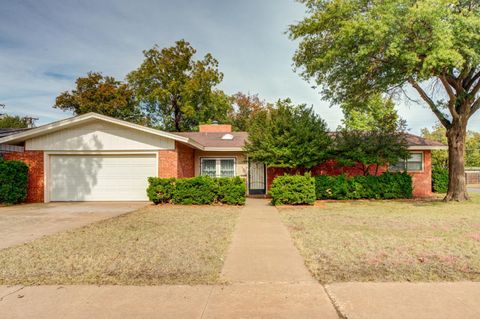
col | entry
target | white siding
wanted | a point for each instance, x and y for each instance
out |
(98, 136)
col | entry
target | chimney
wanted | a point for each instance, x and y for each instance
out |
(215, 128)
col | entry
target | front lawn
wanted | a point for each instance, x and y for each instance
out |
(155, 245)
(388, 240)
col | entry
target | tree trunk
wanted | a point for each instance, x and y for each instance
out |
(457, 188)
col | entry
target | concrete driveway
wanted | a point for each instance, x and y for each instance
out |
(23, 223)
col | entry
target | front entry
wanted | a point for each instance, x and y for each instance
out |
(257, 178)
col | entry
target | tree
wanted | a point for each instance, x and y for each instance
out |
(245, 106)
(177, 91)
(440, 157)
(354, 49)
(15, 121)
(439, 134)
(288, 136)
(370, 114)
(101, 94)
(374, 138)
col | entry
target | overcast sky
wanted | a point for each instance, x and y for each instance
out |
(46, 45)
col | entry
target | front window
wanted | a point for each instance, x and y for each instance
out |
(412, 164)
(218, 167)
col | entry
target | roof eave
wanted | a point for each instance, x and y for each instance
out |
(428, 148)
(52, 127)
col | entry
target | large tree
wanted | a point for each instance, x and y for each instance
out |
(101, 94)
(356, 48)
(177, 91)
(440, 157)
(245, 106)
(288, 136)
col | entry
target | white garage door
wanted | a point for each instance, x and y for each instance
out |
(100, 177)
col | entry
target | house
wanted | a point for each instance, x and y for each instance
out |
(93, 157)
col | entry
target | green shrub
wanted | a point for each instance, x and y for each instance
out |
(231, 190)
(201, 190)
(160, 190)
(13, 182)
(293, 190)
(386, 186)
(439, 179)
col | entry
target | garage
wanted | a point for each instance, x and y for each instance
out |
(100, 177)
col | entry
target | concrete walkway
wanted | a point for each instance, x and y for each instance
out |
(401, 300)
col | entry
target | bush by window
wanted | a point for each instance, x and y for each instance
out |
(200, 190)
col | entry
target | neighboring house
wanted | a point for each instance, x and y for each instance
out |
(93, 157)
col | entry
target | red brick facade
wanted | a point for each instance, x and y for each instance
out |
(34, 160)
(177, 163)
(422, 181)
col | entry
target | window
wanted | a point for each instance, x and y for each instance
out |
(413, 164)
(218, 167)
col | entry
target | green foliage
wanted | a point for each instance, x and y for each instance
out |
(13, 181)
(200, 190)
(104, 95)
(13, 121)
(439, 179)
(356, 49)
(386, 186)
(440, 157)
(373, 114)
(288, 136)
(177, 92)
(160, 190)
(293, 190)
(231, 190)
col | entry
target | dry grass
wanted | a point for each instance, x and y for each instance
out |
(388, 241)
(155, 245)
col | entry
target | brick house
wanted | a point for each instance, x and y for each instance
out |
(93, 157)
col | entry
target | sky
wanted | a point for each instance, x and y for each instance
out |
(45, 45)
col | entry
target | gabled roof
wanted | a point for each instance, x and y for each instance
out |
(419, 143)
(62, 124)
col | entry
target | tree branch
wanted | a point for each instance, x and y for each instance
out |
(451, 95)
(475, 107)
(473, 79)
(431, 104)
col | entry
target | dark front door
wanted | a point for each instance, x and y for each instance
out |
(256, 178)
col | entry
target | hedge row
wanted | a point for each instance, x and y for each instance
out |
(201, 190)
(304, 189)
(439, 179)
(386, 186)
(13, 181)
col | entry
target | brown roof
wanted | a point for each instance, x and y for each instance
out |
(214, 139)
(414, 140)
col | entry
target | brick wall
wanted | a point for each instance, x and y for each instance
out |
(422, 181)
(186, 161)
(177, 163)
(34, 160)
